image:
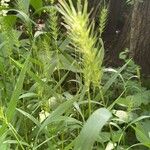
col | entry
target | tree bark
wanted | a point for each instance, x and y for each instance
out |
(115, 31)
(115, 10)
(123, 40)
(140, 35)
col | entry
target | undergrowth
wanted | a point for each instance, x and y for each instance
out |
(55, 92)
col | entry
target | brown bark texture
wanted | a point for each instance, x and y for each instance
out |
(140, 35)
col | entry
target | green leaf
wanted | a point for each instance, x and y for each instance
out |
(15, 96)
(124, 116)
(11, 142)
(142, 131)
(36, 78)
(23, 5)
(68, 63)
(135, 100)
(36, 4)
(29, 116)
(58, 112)
(4, 146)
(104, 137)
(27, 95)
(91, 129)
(9, 20)
(137, 120)
(24, 17)
(113, 78)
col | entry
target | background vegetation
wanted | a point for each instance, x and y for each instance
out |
(74, 75)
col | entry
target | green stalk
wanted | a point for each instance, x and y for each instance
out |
(89, 102)
(15, 134)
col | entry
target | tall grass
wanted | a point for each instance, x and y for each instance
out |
(82, 34)
(38, 109)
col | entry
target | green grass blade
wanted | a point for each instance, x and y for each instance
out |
(59, 111)
(3, 146)
(15, 96)
(29, 116)
(142, 137)
(91, 129)
(15, 142)
(37, 79)
(113, 78)
(23, 16)
(36, 4)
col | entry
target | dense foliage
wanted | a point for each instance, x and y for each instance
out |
(55, 91)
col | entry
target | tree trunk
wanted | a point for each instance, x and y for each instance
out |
(140, 35)
(123, 40)
(115, 10)
(115, 31)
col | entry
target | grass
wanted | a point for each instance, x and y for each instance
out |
(55, 92)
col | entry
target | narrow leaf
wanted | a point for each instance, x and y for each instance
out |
(15, 96)
(91, 129)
